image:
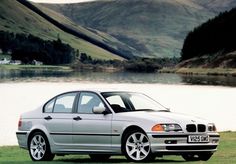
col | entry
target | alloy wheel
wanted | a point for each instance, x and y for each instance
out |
(137, 146)
(38, 147)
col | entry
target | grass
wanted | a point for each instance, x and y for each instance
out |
(35, 67)
(226, 154)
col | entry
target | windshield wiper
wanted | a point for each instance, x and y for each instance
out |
(150, 110)
(163, 110)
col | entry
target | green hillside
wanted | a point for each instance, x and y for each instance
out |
(92, 33)
(153, 28)
(17, 18)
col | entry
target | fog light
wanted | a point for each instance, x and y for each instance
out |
(170, 141)
(215, 141)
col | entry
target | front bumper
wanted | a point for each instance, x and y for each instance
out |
(166, 143)
(22, 139)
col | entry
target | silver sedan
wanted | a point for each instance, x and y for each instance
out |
(102, 124)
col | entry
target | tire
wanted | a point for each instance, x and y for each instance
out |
(39, 148)
(136, 146)
(99, 157)
(197, 157)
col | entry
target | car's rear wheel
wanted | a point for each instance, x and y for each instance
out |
(197, 157)
(137, 147)
(99, 157)
(39, 148)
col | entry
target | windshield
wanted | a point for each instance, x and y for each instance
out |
(129, 102)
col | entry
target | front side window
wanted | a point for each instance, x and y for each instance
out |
(117, 103)
(64, 103)
(116, 100)
(87, 102)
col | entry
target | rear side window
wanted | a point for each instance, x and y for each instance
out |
(48, 108)
(64, 103)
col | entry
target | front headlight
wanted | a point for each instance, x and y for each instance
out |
(211, 127)
(167, 128)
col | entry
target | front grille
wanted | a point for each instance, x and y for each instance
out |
(191, 147)
(201, 128)
(194, 128)
(191, 128)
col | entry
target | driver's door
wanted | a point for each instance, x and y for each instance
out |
(91, 132)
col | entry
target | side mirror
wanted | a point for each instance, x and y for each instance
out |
(99, 110)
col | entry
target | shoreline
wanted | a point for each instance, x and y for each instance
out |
(201, 71)
(100, 68)
(36, 67)
(62, 68)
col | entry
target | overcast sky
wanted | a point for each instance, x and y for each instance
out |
(60, 1)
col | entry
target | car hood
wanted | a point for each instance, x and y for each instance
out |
(161, 117)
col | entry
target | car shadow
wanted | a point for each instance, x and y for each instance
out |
(115, 160)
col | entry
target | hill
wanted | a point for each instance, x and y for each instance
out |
(212, 43)
(100, 36)
(153, 28)
(217, 5)
(17, 18)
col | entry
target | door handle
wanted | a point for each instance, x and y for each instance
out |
(77, 118)
(48, 118)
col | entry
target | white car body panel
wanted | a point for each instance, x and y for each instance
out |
(102, 133)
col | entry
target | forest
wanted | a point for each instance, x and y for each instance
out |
(28, 48)
(216, 36)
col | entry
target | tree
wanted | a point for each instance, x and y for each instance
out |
(28, 48)
(215, 35)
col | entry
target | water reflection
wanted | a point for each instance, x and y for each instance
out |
(115, 77)
(209, 80)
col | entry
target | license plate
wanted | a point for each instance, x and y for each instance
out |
(198, 138)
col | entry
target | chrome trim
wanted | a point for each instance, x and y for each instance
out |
(83, 134)
(179, 136)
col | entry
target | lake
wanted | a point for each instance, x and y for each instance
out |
(115, 77)
(25, 92)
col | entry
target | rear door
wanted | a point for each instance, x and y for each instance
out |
(58, 118)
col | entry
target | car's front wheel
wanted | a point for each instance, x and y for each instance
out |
(137, 146)
(39, 148)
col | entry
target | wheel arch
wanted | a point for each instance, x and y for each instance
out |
(34, 131)
(127, 130)
(47, 155)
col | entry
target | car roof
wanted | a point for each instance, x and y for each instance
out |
(99, 91)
